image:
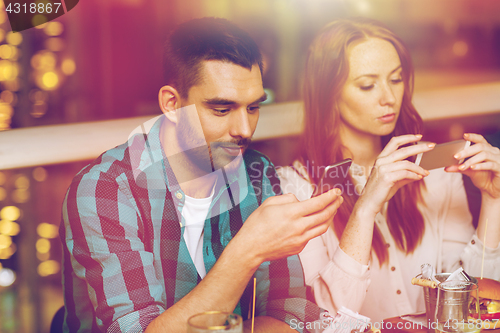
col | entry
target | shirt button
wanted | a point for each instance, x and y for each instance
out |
(473, 242)
(460, 263)
(398, 292)
(393, 268)
(178, 195)
(387, 245)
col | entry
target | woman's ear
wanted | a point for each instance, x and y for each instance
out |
(169, 100)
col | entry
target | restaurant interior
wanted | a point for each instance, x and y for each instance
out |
(78, 85)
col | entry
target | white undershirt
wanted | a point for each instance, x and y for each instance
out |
(194, 213)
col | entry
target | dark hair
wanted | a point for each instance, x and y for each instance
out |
(327, 69)
(207, 38)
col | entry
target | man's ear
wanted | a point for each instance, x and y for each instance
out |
(169, 100)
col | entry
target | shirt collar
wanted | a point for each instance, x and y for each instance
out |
(152, 170)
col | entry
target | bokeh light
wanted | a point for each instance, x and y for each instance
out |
(7, 277)
(8, 70)
(22, 182)
(53, 28)
(10, 213)
(8, 252)
(6, 109)
(6, 51)
(37, 95)
(44, 61)
(9, 228)
(14, 38)
(5, 241)
(48, 267)
(68, 66)
(43, 256)
(4, 124)
(47, 230)
(49, 81)
(54, 44)
(40, 174)
(13, 84)
(8, 97)
(20, 196)
(38, 19)
(39, 109)
(42, 245)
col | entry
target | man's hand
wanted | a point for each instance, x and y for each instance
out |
(279, 228)
(282, 226)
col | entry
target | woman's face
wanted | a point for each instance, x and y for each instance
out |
(371, 97)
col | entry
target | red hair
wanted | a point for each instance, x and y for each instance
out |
(327, 69)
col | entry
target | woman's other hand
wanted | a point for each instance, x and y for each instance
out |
(483, 166)
(392, 171)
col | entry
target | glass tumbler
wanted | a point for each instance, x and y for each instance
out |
(215, 321)
(456, 302)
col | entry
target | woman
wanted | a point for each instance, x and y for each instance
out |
(396, 216)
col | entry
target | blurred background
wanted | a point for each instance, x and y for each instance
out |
(102, 62)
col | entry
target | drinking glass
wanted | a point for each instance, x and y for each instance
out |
(215, 321)
(456, 302)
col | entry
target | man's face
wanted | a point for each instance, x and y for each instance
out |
(227, 110)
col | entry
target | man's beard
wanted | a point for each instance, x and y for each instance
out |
(221, 159)
(204, 159)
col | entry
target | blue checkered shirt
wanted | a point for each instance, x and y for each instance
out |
(125, 260)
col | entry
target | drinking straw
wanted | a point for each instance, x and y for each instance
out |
(484, 247)
(253, 306)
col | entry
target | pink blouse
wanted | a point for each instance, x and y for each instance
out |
(449, 241)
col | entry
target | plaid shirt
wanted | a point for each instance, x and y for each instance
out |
(125, 260)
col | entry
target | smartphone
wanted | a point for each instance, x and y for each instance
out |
(333, 177)
(442, 155)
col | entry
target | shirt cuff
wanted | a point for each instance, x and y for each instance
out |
(349, 265)
(136, 321)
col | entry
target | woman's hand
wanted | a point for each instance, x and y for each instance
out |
(483, 166)
(392, 171)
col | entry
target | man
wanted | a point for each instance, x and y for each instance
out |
(153, 229)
